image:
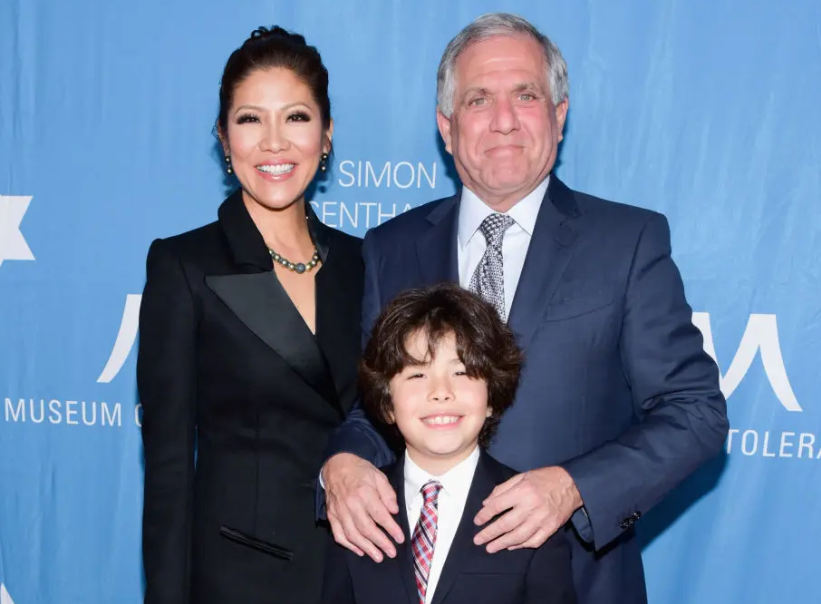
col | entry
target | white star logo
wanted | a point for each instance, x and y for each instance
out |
(12, 244)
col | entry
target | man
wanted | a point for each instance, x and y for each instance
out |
(617, 401)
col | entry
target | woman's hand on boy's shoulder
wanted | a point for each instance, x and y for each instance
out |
(359, 500)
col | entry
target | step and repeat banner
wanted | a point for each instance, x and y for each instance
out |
(707, 111)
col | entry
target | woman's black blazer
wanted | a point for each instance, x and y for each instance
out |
(238, 399)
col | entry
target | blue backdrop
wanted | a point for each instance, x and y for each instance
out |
(707, 111)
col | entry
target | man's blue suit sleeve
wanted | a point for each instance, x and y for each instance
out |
(581, 522)
(357, 434)
(682, 413)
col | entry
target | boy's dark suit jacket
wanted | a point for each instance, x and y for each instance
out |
(470, 574)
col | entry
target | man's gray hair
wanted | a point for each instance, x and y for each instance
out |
(487, 26)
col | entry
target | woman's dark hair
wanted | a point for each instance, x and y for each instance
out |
(269, 49)
(484, 344)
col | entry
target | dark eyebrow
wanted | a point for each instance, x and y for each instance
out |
(527, 86)
(247, 107)
(296, 104)
(520, 87)
(263, 110)
(473, 90)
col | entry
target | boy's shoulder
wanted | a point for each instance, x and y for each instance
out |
(497, 471)
(390, 469)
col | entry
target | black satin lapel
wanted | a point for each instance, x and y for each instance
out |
(244, 239)
(550, 250)
(404, 562)
(463, 550)
(436, 248)
(261, 303)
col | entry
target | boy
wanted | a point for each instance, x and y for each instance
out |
(438, 372)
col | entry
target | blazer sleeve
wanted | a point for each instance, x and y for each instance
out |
(337, 586)
(682, 415)
(550, 574)
(357, 434)
(166, 379)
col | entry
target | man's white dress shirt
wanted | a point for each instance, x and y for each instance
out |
(471, 245)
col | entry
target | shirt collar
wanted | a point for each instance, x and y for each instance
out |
(455, 482)
(472, 211)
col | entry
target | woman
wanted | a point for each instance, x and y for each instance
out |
(249, 341)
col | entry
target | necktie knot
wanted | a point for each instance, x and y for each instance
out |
(493, 227)
(430, 492)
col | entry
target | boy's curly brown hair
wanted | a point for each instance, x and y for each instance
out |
(484, 344)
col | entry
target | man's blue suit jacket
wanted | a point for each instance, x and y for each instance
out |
(616, 386)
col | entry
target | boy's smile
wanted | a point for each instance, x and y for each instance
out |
(444, 422)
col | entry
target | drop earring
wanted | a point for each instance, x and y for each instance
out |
(323, 163)
(228, 168)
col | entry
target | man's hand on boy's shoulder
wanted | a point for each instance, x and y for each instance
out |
(360, 500)
(539, 502)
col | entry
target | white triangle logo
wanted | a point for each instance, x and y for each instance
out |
(12, 244)
(5, 598)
